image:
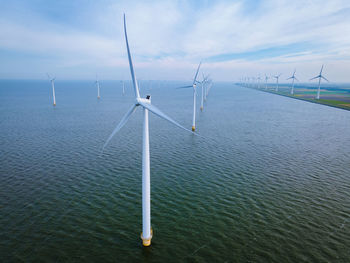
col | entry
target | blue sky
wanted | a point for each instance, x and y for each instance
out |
(77, 39)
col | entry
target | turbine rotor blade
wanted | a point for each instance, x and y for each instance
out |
(156, 111)
(134, 82)
(321, 70)
(184, 87)
(315, 78)
(324, 78)
(121, 124)
(195, 76)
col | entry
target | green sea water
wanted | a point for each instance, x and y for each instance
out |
(270, 182)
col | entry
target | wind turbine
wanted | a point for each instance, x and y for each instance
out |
(277, 77)
(203, 82)
(259, 79)
(207, 87)
(145, 103)
(266, 78)
(98, 87)
(194, 97)
(123, 88)
(253, 82)
(293, 78)
(319, 82)
(53, 88)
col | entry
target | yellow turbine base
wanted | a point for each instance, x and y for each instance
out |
(54, 104)
(201, 108)
(193, 128)
(98, 97)
(146, 242)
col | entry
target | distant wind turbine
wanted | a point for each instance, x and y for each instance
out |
(53, 88)
(293, 78)
(277, 77)
(98, 87)
(145, 103)
(210, 84)
(259, 79)
(207, 87)
(319, 83)
(123, 88)
(266, 79)
(194, 96)
(203, 83)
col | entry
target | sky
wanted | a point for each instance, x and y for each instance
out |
(77, 39)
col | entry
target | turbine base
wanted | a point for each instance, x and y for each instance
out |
(201, 108)
(146, 242)
(193, 128)
(54, 104)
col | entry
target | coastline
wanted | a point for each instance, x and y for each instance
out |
(320, 101)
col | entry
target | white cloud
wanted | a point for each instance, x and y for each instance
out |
(173, 36)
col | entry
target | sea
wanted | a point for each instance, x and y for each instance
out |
(268, 180)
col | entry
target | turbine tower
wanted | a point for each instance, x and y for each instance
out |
(277, 77)
(145, 103)
(98, 87)
(194, 96)
(319, 83)
(53, 88)
(293, 78)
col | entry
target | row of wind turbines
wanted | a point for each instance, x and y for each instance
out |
(255, 82)
(97, 83)
(206, 85)
(146, 105)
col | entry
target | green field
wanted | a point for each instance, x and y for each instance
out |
(339, 98)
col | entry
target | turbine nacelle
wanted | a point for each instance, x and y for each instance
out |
(140, 101)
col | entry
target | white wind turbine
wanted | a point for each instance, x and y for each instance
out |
(259, 79)
(194, 97)
(207, 87)
(98, 87)
(319, 82)
(53, 88)
(210, 84)
(145, 103)
(293, 78)
(277, 77)
(203, 83)
(266, 79)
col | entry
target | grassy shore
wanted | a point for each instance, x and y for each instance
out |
(337, 103)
